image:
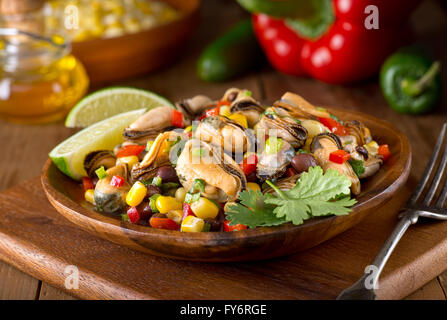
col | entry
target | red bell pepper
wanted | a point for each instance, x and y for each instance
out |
(347, 51)
(335, 126)
(384, 151)
(249, 164)
(187, 211)
(177, 119)
(117, 181)
(133, 214)
(212, 112)
(164, 223)
(237, 227)
(87, 183)
(130, 150)
(339, 156)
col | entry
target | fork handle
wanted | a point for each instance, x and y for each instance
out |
(407, 218)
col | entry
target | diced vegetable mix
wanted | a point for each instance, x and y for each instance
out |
(167, 200)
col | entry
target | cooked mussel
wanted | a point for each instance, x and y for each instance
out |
(322, 146)
(371, 165)
(225, 133)
(222, 175)
(359, 131)
(195, 106)
(158, 156)
(97, 159)
(109, 198)
(283, 127)
(245, 104)
(150, 124)
(283, 184)
(299, 108)
(274, 165)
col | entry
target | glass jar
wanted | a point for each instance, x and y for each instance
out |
(40, 81)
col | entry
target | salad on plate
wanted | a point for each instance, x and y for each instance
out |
(227, 165)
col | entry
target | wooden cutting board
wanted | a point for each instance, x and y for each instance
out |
(37, 240)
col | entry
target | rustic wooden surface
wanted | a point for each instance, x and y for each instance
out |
(25, 148)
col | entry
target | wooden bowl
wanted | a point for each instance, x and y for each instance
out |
(134, 54)
(261, 243)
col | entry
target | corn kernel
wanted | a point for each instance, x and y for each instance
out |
(176, 215)
(89, 196)
(225, 111)
(130, 161)
(192, 224)
(180, 194)
(188, 129)
(136, 194)
(372, 148)
(253, 186)
(239, 118)
(204, 208)
(165, 204)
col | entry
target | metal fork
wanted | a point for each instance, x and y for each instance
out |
(363, 289)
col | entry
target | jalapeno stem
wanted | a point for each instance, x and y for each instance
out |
(414, 88)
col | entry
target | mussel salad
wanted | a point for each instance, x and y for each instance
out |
(232, 164)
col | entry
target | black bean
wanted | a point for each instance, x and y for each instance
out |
(167, 174)
(303, 161)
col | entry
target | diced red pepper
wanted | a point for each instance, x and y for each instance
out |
(177, 119)
(339, 156)
(236, 227)
(133, 214)
(335, 126)
(87, 183)
(249, 164)
(117, 181)
(130, 150)
(212, 112)
(187, 211)
(164, 223)
(221, 103)
(384, 151)
(290, 172)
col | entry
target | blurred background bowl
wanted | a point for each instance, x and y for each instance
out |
(134, 54)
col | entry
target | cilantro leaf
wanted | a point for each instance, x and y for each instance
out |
(357, 166)
(253, 211)
(313, 196)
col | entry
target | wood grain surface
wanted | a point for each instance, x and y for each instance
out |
(25, 148)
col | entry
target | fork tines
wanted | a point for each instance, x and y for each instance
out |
(429, 169)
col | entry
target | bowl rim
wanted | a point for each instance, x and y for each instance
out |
(373, 198)
(185, 15)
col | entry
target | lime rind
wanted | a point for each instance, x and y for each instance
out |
(69, 155)
(111, 101)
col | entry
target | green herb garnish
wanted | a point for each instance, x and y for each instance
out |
(156, 181)
(152, 201)
(198, 185)
(192, 197)
(357, 166)
(101, 172)
(315, 194)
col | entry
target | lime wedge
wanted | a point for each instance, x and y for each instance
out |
(111, 101)
(69, 155)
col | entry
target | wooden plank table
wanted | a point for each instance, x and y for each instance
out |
(22, 143)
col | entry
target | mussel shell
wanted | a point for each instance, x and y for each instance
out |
(96, 159)
(266, 172)
(283, 184)
(315, 142)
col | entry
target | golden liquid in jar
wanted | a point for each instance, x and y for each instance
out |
(43, 95)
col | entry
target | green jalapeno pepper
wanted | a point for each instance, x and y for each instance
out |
(410, 81)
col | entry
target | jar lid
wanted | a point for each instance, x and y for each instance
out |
(19, 6)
